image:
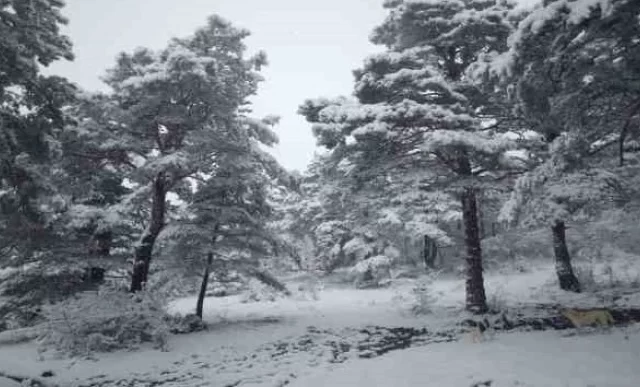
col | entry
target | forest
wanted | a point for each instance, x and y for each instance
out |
(477, 194)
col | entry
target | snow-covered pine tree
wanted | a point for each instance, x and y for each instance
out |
(559, 190)
(183, 105)
(286, 221)
(417, 110)
(573, 66)
(92, 176)
(30, 117)
(315, 216)
(349, 222)
(227, 217)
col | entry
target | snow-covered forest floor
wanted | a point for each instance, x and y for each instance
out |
(329, 340)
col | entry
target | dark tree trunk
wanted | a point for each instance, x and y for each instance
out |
(429, 252)
(203, 286)
(480, 218)
(100, 243)
(567, 279)
(144, 250)
(342, 256)
(475, 296)
(103, 243)
(99, 246)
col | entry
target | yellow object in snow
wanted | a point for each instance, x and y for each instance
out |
(584, 318)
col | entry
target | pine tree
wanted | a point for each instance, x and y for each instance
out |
(184, 107)
(227, 219)
(417, 110)
(349, 222)
(92, 176)
(31, 115)
(573, 67)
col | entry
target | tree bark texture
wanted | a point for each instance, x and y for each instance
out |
(481, 227)
(476, 301)
(144, 249)
(566, 277)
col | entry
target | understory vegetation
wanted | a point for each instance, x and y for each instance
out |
(482, 139)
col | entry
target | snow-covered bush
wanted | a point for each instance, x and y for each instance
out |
(423, 294)
(187, 324)
(171, 284)
(105, 321)
(310, 289)
(24, 290)
(407, 273)
(226, 283)
(258, 291)
(372, 272)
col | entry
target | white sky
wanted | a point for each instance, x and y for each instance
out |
(312, 48)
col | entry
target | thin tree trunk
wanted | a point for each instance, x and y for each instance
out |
(566, 277)
(203, 286)
(476, 301)
(144, 249)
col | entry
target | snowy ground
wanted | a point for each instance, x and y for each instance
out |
(304, 342)
(524, 359)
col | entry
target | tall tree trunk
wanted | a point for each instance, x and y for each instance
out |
(144, 249)
(476, 301)
(567, 279)
(203, 286)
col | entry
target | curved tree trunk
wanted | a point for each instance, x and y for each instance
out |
(203, 286)
(144, 249)
(566, 277)
(476, 300)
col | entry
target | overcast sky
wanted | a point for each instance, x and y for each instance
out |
(312, 47)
